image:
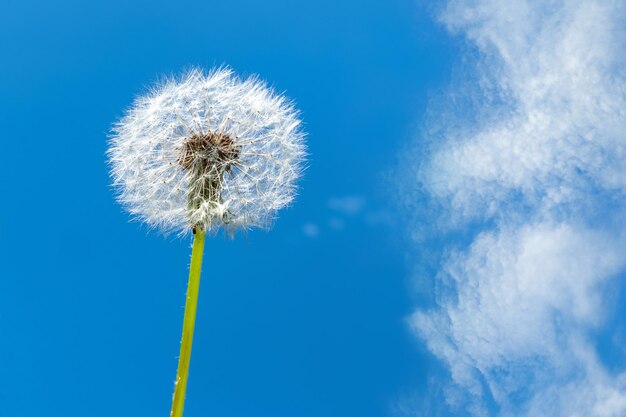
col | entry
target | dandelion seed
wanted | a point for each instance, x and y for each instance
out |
(201, 153)
(208, 151)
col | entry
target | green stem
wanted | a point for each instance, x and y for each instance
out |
(178, 402)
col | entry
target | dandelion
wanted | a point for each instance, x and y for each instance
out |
(201, 153)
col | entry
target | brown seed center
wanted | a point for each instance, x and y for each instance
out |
(211, 152)
(207, 157)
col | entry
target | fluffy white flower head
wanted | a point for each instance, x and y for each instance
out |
(209, 151)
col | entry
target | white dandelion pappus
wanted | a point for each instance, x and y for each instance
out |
(207, 150)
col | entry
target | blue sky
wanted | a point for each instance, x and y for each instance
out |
(456, 247)
(289, 323)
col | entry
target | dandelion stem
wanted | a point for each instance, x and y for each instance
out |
(178, 401)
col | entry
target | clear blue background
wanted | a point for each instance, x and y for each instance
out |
(289, 324)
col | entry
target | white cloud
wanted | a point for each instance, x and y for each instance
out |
(538, 182)
(559, 67)
(521, 305)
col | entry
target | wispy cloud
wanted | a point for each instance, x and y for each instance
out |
(311, 230)
(348, 205)
(347, 211)
(529, 195)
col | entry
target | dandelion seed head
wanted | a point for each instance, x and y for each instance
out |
(207, 150)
